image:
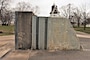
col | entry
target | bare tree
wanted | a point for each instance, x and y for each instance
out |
(70, 11)
(77, 15)
(36, 10)
(67, 10)
(25, 6)
(64, 11)
(9, 17)
(4, 4)
(84, 14)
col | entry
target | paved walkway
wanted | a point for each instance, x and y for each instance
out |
(6, 44)
(52, 55)
(83, 35)
(9, 37)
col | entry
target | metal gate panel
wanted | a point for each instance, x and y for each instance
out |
(41, 33)
(34, 32)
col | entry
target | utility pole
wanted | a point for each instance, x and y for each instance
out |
(85, 17)
(84, 20)
(69, 10)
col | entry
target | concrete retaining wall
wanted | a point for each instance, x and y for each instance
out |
(52, 33)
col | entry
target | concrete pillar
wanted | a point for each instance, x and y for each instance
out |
(23, 30)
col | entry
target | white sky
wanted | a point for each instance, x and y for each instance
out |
(45, 5)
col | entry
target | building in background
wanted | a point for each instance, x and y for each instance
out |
(54, 11)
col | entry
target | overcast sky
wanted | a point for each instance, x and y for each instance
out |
(45, 5)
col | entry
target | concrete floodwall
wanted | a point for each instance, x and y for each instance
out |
(23, 30)
(53, 33)
(61, 35)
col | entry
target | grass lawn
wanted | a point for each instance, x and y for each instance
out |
(87, 30)
(6, 30)
(9, 30)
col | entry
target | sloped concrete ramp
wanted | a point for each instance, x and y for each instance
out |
(61, 34)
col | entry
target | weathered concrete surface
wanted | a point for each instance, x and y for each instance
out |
(44, 33)
(61, 35)
(23, 30)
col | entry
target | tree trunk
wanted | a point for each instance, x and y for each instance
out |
(85, 25)
(78, 24)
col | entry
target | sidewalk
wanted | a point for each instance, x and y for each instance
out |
(53, 55)
(8, 37)
(82, 34)
(6, 44)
